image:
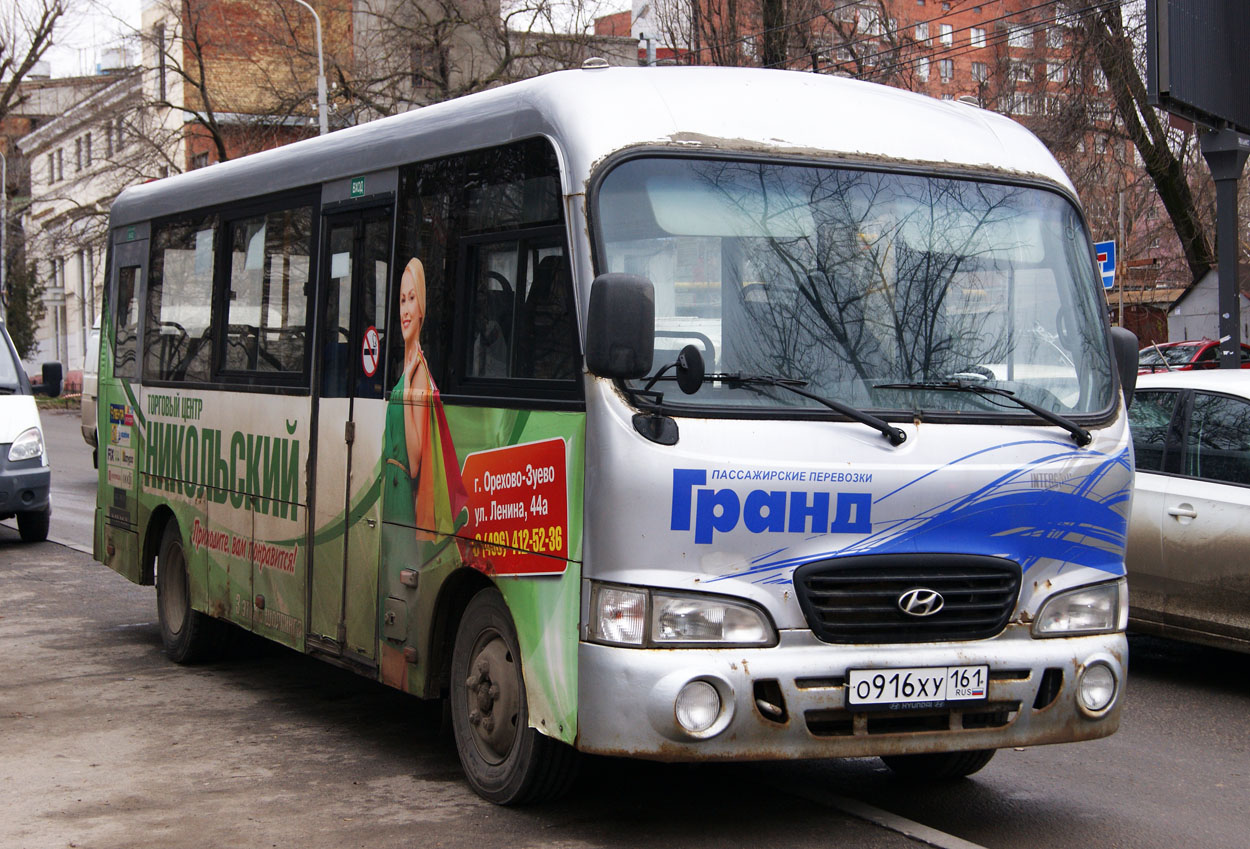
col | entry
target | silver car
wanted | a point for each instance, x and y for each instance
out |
(1189, 537)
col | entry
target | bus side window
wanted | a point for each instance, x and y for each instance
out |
(267, 292)
(125, 363)
(177, 343)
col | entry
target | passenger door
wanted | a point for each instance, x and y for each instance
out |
(350, 412)
(1206, 513)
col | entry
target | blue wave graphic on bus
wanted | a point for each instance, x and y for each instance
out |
(1081, 519)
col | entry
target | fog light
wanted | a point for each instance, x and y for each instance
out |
(1096, 689)
(697, 706)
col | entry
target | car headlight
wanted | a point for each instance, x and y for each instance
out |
(28, 446)
(1099, 609)
(633, 616)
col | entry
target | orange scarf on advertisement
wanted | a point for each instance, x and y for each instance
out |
(441, 494)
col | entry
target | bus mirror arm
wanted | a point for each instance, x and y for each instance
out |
(620, 326)
(1124, 345)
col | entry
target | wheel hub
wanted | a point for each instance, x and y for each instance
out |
(492, 689)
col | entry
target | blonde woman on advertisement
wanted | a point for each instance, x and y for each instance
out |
(418, 445)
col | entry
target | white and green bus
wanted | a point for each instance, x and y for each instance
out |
(686, 414)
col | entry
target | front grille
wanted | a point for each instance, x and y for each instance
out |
(856, 599)
(845, 723)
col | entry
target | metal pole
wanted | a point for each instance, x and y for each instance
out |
(1225, 152)
(1121, 253)
(321, 73)
(4, 235)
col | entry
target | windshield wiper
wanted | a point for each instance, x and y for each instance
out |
(1080, 435)
(889, 431)
(690, 376)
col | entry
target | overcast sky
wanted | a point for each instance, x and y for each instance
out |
(86, 31)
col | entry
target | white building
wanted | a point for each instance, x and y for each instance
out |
(79, 161)
(1196, 314)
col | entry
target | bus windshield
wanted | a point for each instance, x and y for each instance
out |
(854, 281)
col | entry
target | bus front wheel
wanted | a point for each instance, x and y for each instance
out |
(504, 760)
(189, 636)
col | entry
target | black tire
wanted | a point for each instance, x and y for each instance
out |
(504, 760)
(33, 524)
(940, 766)
(189, 636)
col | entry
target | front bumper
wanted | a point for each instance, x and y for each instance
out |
(626, 698)
(24, 486)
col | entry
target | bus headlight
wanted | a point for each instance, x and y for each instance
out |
(1099, 609)
(27, 446)
(632, 616)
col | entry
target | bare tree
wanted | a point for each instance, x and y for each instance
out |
(25, 36)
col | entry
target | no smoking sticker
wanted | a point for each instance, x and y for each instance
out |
(369, 350)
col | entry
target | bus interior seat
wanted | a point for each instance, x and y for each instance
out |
(546, 339)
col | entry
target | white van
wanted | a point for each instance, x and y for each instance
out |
(25, 478)
(90, 380)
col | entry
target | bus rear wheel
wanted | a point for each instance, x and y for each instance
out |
(504, 760)
(188, 635)
(938, 766)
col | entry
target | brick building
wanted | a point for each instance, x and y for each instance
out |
(1022, 58)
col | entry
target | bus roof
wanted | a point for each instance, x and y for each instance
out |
(593, 113)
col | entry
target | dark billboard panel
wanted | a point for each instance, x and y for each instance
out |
(1198, 60)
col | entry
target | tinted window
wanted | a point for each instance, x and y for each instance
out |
(1218, 443)
(177, 344)
(1149, 418)
(487, 228)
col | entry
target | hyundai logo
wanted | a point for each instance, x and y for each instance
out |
(921, 601)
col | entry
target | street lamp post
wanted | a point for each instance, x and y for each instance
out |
(321, 72)
(4, 233)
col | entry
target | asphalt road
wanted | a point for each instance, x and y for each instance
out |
(104, 743)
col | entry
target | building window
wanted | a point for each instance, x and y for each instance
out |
(978, 36)
(1055, 36)
(108, 141)
(52, 167)
(78, 154)
(1020, 36)
(86, 146)
(160, 61)
(922, 69)
(199, 160)
(1021, 71)
(121, 135)
(946, 34)
(1054, 72)
(60, 164)
(922, 31)
(980, 72)
(946, 69)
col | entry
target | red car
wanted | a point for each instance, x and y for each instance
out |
(1184, 356)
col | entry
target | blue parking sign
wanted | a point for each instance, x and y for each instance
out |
(1105, 252)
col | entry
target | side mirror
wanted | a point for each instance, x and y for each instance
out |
(51, 383)
(620, 326)
(1124, 346)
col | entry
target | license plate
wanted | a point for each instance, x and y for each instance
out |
(916, 686)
